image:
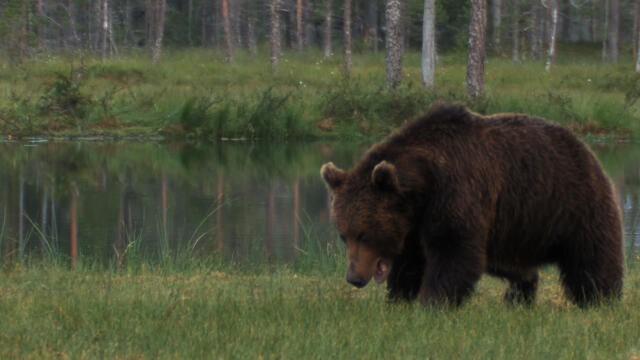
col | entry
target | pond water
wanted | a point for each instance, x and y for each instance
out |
(105, 202)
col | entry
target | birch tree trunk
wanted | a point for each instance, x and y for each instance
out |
(614, 30)
(104, 28)
(605, 30)
(300, 25)
(158, 29)
(637, 30)
(228, 35)
(515, 30)
(394, 43)
(74, 39)
(496, 10)
(348, 60)
(42, 28)
(551, 53)
(429, 43)
(276, 37)
(477, 48)
(328, 28)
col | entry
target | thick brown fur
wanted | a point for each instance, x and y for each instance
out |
(462, 194)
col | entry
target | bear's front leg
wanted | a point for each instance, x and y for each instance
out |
(450, 275)
(405, 278)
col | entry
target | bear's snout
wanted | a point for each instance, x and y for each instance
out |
(357, 281)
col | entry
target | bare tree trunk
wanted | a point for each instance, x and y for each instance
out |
(104, 28)
(328, 28)
(42, 27)
(551, 53)
(276, 37)
(73, 216)
(636, 18)
(371, 33)
(605, 30)
(515, 30)
(158, 29)
(532, 33)
(271, 221)
(348, 59)
(614, 30)
(637, 34)
(164, 199)
(228, 35)
(394, 43)
(71, 12)
(477, 48)
(496, 11)
(300, 25)
(128, 23)
(429, 44)
(21, 216)
(44, 220)
(252, 42)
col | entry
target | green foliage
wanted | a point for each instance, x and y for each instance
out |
(196, 94)
(63, 98)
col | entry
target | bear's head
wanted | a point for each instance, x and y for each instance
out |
(372, 217)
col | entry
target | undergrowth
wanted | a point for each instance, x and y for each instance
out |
(195, 94)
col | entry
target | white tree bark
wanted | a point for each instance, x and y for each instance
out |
(551, 53)
(394, 43)
(159, 9)
(276, 37)
(429, 44)
(328, 28)
(104, 28)
(477, 48)
(348, 58)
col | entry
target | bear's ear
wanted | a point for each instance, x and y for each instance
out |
(333, 176)
(385, 177)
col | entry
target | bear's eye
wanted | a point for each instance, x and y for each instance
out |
(344, 239)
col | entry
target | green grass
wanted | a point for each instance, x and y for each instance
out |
(193, 93)
(202, 311)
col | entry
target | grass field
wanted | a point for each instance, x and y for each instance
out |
(205, 312)
(193, 93)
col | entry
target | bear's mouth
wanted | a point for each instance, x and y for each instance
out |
(383, 266)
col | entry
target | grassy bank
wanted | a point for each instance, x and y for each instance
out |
(195, 94)
(52, 312)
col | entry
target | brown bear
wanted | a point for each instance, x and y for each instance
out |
(455, 195)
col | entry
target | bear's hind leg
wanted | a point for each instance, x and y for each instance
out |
(588, 284)
(592, 274)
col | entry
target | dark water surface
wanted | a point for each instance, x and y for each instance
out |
(106, 202)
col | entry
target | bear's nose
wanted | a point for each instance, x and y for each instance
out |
(357, 282)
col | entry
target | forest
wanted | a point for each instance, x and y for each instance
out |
(212, 69)
(160, 186)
